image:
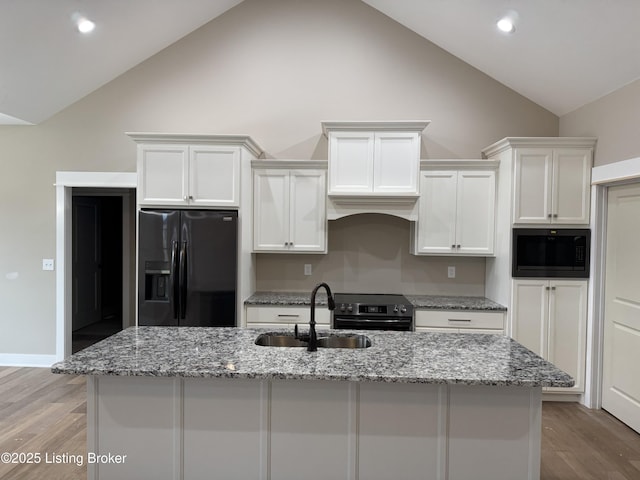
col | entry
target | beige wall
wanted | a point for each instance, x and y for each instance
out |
(273, 69)
(370, 254)
(613, 119)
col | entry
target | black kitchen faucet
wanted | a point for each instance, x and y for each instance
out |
(313, 338)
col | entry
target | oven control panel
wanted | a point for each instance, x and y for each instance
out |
(398, 309)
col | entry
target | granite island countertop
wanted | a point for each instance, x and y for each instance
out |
(409, 357)
(430, 302)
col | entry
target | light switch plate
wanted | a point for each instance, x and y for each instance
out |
(307, 269)
(47, 264)
(451, 272)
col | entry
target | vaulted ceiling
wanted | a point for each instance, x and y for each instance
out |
(562, 55)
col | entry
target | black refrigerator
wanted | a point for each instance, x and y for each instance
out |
(187, 267)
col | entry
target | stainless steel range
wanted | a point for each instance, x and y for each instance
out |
(372, 311)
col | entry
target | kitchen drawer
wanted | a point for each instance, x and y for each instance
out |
(285, 315)
(491, 331)
(459, 319)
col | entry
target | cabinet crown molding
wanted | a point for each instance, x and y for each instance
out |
(289, 163)
(366, 126)
(476, 164)
(198, 138)
(533, 142)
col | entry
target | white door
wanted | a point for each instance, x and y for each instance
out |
(533, 185)
(396, 162)
(350, 162)
(530, 314)
(571, 185)
(162, 174)
(271, 210)
(568, 329)
(475, 224)
(621, 366)
(214, 176)
(308, 224)
(437, 216)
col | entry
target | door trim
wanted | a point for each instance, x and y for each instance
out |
(65, 182)
(602, 177)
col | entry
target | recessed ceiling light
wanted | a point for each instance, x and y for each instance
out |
(506, 25)
(85, 25)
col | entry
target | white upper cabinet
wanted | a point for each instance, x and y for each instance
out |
(163, 174)
(552, 185)
(456, 211)
(351, 162)
(374, 158)
(191, 170)
(214, 175)
(289, 209)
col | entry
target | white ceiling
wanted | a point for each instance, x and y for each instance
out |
(564, 53)
(46, 64)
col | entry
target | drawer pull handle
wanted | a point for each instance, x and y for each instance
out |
(292, 315)
(459, 319)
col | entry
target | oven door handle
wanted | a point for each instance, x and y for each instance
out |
(371, 320)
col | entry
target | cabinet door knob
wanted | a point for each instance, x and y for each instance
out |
(453, 246)
(458, 246)
(553, 288)
(546, 288)
(549, 216)
(190, 197)
(555, 215)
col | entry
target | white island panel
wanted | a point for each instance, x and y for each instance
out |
(402, 431)
(223, 425)
(137, 417)
(494, 433)
(312, 430)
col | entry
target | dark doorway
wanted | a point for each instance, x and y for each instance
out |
(97, 268)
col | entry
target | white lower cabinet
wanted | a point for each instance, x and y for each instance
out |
(282, 316)
(459, 321)
(289, 210)
(549, 317)
(196, 428)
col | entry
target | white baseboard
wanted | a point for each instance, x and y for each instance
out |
(26, 360)
(560, 397)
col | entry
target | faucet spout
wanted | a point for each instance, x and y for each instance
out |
(313, 338)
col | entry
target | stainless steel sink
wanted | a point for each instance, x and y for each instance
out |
(279, 340)
(332, 341)
(344, 341)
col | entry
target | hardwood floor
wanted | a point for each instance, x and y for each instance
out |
(579, 443)
(46, 414)
(42, 413)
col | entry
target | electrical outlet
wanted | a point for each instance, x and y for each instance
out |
(451, 272)
(47, 264)
(307, 269)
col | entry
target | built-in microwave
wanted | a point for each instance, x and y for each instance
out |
(551, 252)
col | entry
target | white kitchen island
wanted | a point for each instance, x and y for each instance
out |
(206, 403)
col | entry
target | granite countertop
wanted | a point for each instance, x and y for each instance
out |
(409, 357)
(291, 299)
(449, 302)
(432, 302)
